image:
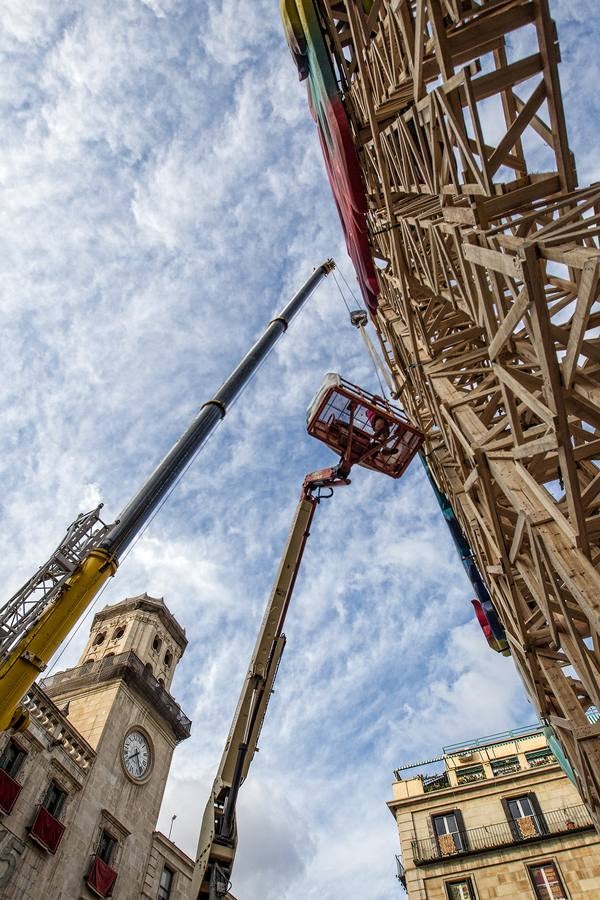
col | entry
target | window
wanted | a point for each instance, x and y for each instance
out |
(156, 643)
(148, 668)
(118, 633)
(12, 758)
(54, 800)
(450, 833)
(99, 639)
(166, 883)
(106, 847)
(168, 658)
(460, 890)
(546, 882)
(524, 816)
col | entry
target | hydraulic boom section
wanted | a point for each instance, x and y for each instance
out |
(36, 620)
(365, 430)
(218, 835)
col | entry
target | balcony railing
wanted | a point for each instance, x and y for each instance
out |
(506, 769)
(400, 872)
(502, 834)
(435, 782)
(546, 760)
(132, 670)
(470, 777)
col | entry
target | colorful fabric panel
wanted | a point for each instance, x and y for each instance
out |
(305, 40)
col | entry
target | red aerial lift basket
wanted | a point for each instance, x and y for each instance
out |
(363, 428)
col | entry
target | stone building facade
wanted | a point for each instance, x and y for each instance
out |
(497, 819)
(81, 788)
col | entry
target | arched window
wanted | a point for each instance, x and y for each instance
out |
(148, 668)
(99, 638)
(168, 658)
(118, 633)
(156, 643)
(161, 681)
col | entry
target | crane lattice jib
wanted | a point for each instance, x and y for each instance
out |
(30, 601)
(486, 302)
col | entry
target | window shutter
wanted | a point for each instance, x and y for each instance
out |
(509, 818)
(538, 812)
(461, 828)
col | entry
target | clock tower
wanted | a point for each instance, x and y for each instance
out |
(118, 700)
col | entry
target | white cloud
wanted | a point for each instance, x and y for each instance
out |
(162, 197)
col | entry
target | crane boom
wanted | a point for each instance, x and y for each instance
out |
(37, 618)
(364, 430)
(218, 833)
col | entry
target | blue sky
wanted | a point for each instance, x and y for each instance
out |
(163, 194)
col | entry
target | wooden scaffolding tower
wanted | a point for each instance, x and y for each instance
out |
(488, 268)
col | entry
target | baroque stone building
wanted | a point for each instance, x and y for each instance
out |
(497, 819)
(81, 788)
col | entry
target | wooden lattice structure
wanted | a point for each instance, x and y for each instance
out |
(488, 268)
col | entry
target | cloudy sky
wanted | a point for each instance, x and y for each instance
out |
(162, 196)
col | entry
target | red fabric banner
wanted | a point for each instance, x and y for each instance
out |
(9, 791)
(47, 830)
(101, 878)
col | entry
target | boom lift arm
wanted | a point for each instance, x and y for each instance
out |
(39, 616)
(364, 430)
(218, 834)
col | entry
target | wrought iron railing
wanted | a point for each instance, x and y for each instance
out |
(400, 872)
(546, 760)
(435, 782)
(506, 769)
(471, 777)
(502, 834)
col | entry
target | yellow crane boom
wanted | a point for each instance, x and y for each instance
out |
(35, 621)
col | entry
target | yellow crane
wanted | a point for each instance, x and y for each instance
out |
(35, 621)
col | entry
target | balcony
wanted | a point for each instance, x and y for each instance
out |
(400, 872)
(527, 830)
(131, 669)
(100, 878)
(507, 766)
(46, 831)
(470, 774)
(9, 791)
(435, 782)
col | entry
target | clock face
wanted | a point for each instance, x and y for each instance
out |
(137, 755)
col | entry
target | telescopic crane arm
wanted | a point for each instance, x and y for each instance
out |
(39, 616)
(364, 430)
(218, 834)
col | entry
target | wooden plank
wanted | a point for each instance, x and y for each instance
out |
(509, 323)
(500, 262)
(588, 290)
(517, 128)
